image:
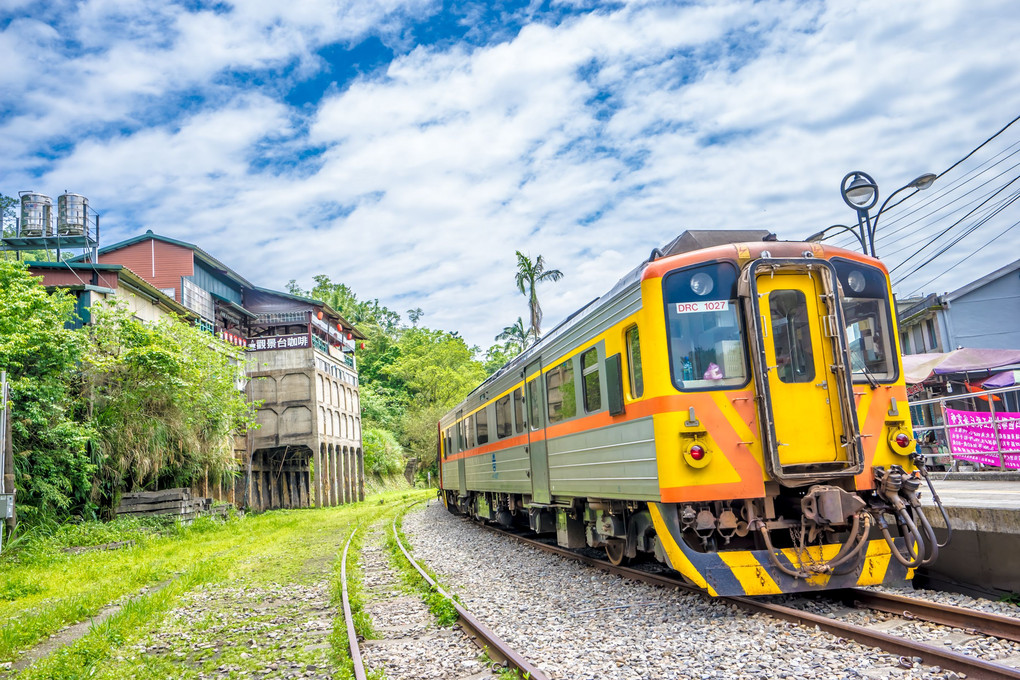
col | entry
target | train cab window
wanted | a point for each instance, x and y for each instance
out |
(637, 382)
(559, 389)
(707, 346)
(868, 321)
(590, 380)
(519, 409)
(791, 336)
(470, 432)
(504, 426)
(482, 427)
(535, 398)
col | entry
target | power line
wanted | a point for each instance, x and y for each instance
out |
(954, 266)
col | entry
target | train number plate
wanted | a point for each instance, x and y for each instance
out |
(702, 306)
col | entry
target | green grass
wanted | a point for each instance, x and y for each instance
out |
(43, 589)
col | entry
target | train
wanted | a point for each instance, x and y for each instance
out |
(734, 408)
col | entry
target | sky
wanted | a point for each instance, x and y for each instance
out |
(408, 148)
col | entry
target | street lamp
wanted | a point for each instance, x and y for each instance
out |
(860, 192)
(823, 234)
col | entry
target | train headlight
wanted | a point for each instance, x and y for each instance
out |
(901, 442)
(696, 454)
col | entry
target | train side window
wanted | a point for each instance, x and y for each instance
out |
(590, 380)
(519, 409)
(470, 432)
(482, 425)
(461, 438)
(637, 381)
(791, 336)
(535, 397)
(504, 427)
(559, 388)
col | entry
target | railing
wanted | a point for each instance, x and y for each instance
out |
(1004, 430)
(283, 317)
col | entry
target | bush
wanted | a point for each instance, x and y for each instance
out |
(383, 454)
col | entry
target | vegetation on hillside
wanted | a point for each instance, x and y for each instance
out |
(115, 406)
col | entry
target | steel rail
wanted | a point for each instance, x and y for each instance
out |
(994, 625)
(352, 636)
(494, 645)
(976, 668)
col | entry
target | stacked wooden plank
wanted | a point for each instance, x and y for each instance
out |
(177, 502)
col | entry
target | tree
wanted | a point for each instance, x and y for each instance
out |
(414, 315)
(53, 469)
(529, 274)
(516, 336)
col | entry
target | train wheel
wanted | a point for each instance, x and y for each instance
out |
(615, 549)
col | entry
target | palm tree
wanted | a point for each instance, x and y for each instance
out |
(529, 275)
(515, 335)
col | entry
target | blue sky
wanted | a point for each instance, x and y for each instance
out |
(408, 148)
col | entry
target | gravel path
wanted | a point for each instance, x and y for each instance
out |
(412, 646)
(578, 623)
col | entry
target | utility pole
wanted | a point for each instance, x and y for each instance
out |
(7, 456)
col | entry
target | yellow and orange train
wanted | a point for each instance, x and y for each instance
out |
(735, 406)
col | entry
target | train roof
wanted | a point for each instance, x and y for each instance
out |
(687, 241)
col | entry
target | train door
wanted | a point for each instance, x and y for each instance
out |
(534, 395)
(461, 445)
(802, 373)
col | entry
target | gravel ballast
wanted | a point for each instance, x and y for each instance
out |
(579, 623)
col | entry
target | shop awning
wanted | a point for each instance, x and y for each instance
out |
(919, 367)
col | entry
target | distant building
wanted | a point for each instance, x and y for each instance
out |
(983, 314)
(308, 450)
(92, 283)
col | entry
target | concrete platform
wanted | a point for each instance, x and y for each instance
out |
(983, 557)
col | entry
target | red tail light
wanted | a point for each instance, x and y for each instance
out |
(902, 440)
(697, 453)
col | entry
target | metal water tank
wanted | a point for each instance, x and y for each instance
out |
(36, 215)
(72, 214)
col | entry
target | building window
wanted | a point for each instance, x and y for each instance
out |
(590, 380)
(559, 387)
(933, 340)
(905, 342)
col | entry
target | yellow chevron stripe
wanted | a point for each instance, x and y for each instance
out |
(677, 559)
(814, 554)
(754, 578)
(876, 563)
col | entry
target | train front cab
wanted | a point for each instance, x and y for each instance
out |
(782, 431)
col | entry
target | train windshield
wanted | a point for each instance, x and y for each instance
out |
(868, 323)
(705, 328)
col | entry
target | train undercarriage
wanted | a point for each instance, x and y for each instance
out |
(793, 539)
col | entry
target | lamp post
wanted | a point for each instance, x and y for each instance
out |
(860, 192)
(823, 234)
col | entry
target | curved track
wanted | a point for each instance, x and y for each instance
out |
(496, 648)
(958, 617)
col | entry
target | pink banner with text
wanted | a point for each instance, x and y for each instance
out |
(972, 437)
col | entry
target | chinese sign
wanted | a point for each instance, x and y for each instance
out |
(971, 436)
(278, 342)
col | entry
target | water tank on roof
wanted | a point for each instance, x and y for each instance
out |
(36, 215)
(72, 214)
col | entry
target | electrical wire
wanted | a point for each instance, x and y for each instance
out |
(954, 266)
(1012, 199)
(945, 231)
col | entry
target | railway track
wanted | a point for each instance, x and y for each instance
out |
(911, 608)
(498, 651)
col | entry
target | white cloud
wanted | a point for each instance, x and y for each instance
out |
(589, 141)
